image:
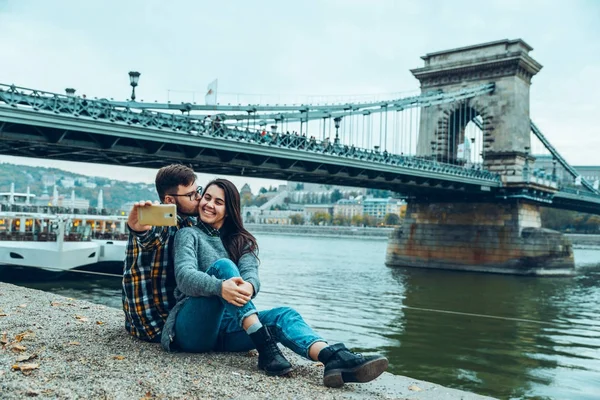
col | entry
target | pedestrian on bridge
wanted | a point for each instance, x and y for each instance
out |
(216, 271)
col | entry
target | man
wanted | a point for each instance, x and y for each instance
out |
(148, 277)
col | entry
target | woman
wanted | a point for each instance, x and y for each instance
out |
(216, 271)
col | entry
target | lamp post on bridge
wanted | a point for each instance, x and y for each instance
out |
(526, 166)
(337, 121)
(134, 78)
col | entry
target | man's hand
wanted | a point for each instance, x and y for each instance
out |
(234, 293)
(132, 220)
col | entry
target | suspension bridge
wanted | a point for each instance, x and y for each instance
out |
(463, 152)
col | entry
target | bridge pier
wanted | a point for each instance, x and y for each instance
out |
(479, 236)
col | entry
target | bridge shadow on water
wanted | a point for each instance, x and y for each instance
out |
(499, 335)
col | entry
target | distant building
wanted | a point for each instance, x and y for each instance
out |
(279, 217)
(590, 173)
(270, 195)
(312, 209)
(378, 208)
(250, 214)
(395, 206)
(348, 208)
(48, 180)
(315, 193)
(278, 200)
(245, 190)
(67, 182)
(545, 163)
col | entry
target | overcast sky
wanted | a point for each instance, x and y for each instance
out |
(303, 48)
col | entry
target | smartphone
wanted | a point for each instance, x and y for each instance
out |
(158, 215)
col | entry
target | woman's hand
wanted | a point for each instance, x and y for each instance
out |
(248, 287)
(233, 293)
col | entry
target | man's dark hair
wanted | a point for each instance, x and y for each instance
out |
(170, 177)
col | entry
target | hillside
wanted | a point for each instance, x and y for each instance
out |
(115, 193)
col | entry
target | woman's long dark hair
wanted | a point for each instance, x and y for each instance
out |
(236, 239)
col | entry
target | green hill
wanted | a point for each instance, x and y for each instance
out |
(39, 179)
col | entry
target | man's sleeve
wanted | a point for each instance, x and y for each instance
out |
(155, 236)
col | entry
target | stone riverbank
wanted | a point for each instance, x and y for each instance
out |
(54, 347)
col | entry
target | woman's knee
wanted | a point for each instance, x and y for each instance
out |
(226, 268)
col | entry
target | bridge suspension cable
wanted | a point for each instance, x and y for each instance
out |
(556, 155)
(313, 112)
(572, 171)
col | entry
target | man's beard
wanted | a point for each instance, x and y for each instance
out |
(181, 212)
(184, 214)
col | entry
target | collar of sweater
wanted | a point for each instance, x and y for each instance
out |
(209, 230)
(187, 221)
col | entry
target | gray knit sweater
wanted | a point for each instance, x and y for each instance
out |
(194, 253)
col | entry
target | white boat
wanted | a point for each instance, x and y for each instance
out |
(61, 242)
(111, 251)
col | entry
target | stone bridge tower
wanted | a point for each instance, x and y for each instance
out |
(494, 233)
(504, 114)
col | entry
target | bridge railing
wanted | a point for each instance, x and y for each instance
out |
(302, 143)
(102, 109)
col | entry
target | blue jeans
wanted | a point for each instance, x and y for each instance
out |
(206, 324)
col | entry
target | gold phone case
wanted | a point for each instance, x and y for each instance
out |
(158, 215)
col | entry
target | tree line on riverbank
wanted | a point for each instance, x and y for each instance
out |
(558, 220)
(323, 218)
(570, 221)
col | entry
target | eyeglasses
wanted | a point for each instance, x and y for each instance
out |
(195, 195)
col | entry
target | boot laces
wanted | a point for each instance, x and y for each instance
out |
(272, 350)
(347, 355)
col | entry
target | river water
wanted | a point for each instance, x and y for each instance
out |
(502, 336)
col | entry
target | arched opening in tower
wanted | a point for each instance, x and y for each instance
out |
(461, 142)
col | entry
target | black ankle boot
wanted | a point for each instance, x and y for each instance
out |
(270, 358)
(343, 366)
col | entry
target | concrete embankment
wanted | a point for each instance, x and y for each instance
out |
(322, 231)
(56, 347)
(581, 240)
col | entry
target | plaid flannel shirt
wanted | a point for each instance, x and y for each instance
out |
(149, 280)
